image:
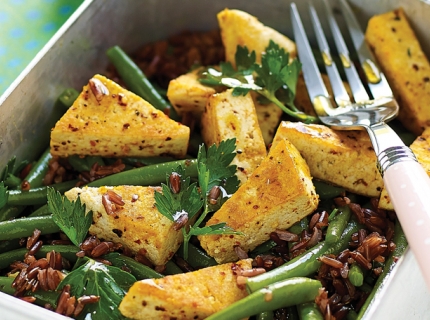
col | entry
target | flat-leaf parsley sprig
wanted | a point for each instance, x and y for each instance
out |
(275, 74)
(69, 216)
(181, 200)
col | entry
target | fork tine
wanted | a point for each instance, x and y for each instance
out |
(314, 83)
(357, 88)
(378, 85)
(340, 95)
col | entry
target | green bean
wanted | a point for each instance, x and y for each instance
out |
(146, 176)
(45, 297)
(298, 227)
(139, 270)
(67, 251)
(172, 268)
(401, 244)
(265, 247)
(65, 99)
(351, 315)
(197, 258)
(37, 195)
(135, 79)
(278, 295)
(8, 245)
(9, 212)
(326, 190)
(338, 223)
(84, 164)
(355, 275)
(303, 265)
(136, 162)
(6, 285)
(12, 181)
(24, 227)
(38, 170)
(42, 297)
(266, 315)
(309, 311)
(42, 211)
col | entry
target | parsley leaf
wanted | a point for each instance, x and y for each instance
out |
(69, 216)
(3, 195)
(275, 74)
(107, 282)
(172, 204)
(214, 170)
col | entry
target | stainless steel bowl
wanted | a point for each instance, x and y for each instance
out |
(77, 51)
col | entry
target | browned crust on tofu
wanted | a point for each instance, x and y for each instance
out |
(137, 225)
(193, 295)
(277, 194)
(187, 94)
(407, 69)
(240, 28)
(116, 124)
(228, 117)
(344, 158)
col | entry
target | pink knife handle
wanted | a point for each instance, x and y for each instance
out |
(408, 186)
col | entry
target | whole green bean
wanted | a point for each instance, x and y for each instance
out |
(65, 99)
(135, 162)
(401, 244)
(6, 285)
(326, 190)
(265, 247)
(135, 79)
(355, 275)
(37, 195)
(38, 170)
(40, 212)
(278, 295)
(84, 164)
(8, 245)
(139, 270)
(172, 268)
(24, 227)
(197, 258)
(146, 176)
(67, 251)
(304, 264)
(338, 223)
(9, 212)
(12, 181)
(309, 311)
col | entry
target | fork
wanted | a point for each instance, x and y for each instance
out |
(406, 181)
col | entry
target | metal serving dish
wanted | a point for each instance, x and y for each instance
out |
(77, 51)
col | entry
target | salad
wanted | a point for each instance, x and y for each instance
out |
(190, 192)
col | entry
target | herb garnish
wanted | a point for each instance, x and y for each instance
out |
(107, 282)
(275, 76)
(69, 216)
(181, 201)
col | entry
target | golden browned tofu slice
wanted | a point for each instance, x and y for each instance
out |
(392, 40)
(277, 194)
(344, 158)
(421, 149)
(136, 225)
(228, 117)
(109, 121)
(187, 94)
(240, 28)
(192, 295)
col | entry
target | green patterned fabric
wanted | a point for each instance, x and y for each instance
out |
(25, 27)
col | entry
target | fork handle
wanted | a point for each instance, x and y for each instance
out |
(408, 186)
